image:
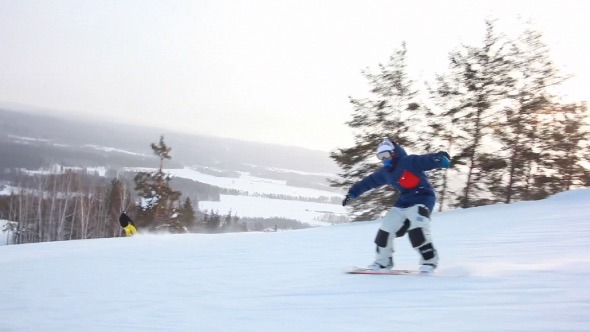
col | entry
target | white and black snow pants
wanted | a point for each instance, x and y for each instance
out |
(415, 221)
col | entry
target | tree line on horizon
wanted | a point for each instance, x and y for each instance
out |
(493, 110)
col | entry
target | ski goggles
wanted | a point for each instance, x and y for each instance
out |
(384, 155)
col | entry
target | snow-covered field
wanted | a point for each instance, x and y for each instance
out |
(59, 169)
(6, 190)
(246, 206)
(519, 267)
(245, 182)
(111, 149)
(5, 236)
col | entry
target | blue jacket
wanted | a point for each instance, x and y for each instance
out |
(406, 174)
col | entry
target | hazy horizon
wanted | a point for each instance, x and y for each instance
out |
(259, 71)
(166, 131)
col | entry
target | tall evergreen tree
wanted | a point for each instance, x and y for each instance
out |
(533, 73)
(162, 151)
(158, 198)
(442, 138)
(478, 78)
(563, 160)
(187, 215)
(390, 111)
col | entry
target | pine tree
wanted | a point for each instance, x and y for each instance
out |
(162, 151)
(205, 222)
(213, 222)
(478, 78)
(532, 72)
(563, 161)
(227, 221)
(187, 215)
(158, 199)
(442, 137)
(391, 111)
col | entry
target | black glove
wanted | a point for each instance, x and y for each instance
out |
(347, 199)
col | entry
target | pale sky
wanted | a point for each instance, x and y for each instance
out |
(266, 71)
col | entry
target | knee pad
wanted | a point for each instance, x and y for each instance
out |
(381, 238)
(419, 216)
(417, 237)
(423, 211)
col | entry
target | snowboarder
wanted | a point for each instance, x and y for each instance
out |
(127, 224)
(411, 212)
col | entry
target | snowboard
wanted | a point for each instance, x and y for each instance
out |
(360, 270)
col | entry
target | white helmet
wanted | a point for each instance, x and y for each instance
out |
(385, 151)
(386, 145)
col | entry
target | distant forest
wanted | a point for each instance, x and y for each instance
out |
(76, 205)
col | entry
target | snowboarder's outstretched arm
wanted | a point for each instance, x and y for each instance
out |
(429, 161)
(374, 180)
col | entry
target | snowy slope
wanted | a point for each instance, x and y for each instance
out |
(519, 267)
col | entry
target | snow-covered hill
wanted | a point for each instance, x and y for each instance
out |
(248, 206)
(519, 267)
(244, 182)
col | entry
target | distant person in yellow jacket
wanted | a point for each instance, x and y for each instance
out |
(127, 224)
